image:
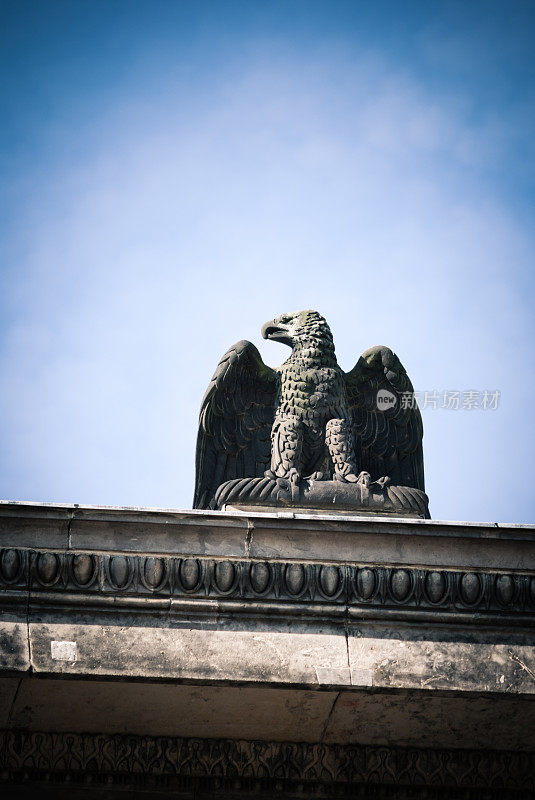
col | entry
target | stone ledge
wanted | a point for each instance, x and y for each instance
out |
(281, 535)
(22, 509)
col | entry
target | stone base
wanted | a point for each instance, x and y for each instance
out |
(399, 501)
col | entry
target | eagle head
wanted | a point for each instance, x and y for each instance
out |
(298, 329)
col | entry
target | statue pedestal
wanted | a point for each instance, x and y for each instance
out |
(322, 496)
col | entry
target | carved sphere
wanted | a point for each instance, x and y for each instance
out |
(47, 567)
(10, 564)
(224, 575)
(295, 578)
(365, 582)
(153, 571)
(435, 586)
(82, 569)
(400, 583)
(260, 575)
(505, 589)
(119, 571)
(329, 580)
(470, 588)
(189, 572)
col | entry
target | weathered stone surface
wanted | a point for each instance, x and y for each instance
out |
(394, 541)
(14, 648)
(34, 523)
(162, 534)
(267, 535)
(220, 651)
(336, 631)
(417, 661)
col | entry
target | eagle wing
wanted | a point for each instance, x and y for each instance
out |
(387, 442)
(237, 414)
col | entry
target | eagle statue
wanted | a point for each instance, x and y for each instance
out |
(308, 429)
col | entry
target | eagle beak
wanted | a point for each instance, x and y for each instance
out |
(268, 328)
(276, 331)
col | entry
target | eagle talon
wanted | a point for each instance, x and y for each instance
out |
(290, 484)
(364, 478)
(317, 476)
(383, 482)
(349, 478)
(293, 476)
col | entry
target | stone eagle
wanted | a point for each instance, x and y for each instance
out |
(307, 418)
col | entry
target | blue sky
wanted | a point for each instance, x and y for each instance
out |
(177, 173)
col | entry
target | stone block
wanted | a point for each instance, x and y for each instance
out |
(479, 665)
(213, 653)
(14, 646)
(159, 536)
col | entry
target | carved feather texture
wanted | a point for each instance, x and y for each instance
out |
(386, 442)
(235, 421)
(245, 398)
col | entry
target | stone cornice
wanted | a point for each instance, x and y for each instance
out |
(273, 600)
(196, 562)
(281, 535)
(66, 511)
(93, 579)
